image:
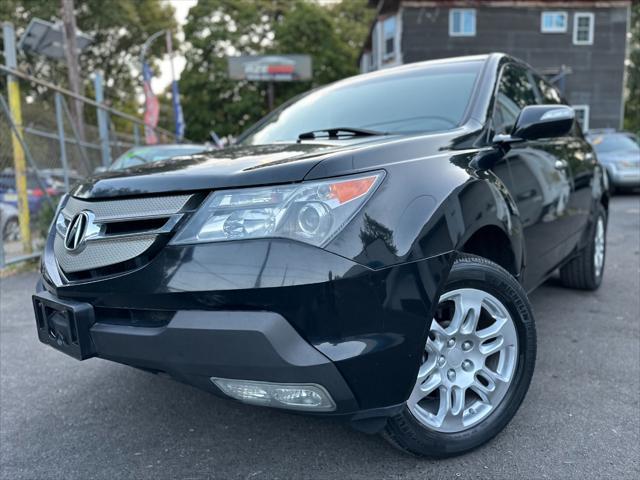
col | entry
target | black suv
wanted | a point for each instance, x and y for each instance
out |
(364, 251)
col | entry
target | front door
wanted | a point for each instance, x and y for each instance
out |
(539, 183)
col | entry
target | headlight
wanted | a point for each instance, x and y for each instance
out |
(624, 164)
(58, 219)
(311, 212)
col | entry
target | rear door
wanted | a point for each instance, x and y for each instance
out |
(539, 183)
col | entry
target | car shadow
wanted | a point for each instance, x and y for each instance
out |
(149, 424)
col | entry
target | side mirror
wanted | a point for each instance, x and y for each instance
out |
(543, 121)
(533, 123)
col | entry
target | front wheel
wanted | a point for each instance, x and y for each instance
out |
(476, 366)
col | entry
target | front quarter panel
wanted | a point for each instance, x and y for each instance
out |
(421, 216)
(427, 207)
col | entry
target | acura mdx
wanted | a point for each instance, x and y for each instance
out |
(364, 251)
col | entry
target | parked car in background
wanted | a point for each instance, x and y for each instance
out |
(9, 224)
(138, 156)
(50, 183)
(364, 251)
(619, 152)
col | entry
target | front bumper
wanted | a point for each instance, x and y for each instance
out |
(196, 345)
(273, 311)
(624, 177)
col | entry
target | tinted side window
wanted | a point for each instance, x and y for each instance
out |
(514, 93)
(549, 94)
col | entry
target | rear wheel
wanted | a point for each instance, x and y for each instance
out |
(585, 271)
(476, 366)
(11, 231)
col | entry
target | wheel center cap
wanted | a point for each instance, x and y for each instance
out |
(455, 357)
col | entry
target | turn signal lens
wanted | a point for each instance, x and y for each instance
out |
(346, 191)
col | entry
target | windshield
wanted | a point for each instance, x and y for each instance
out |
(142, 155)
(611, 142)
(426, 99)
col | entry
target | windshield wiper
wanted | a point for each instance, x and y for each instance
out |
(335, 133)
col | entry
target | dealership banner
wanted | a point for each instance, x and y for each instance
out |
(177, 111)
(152, 108)
(270, 68)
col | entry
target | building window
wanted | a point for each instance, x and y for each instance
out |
(582, 115)
(389, 38)
(462, 22)
(583, 24)
(553, 22)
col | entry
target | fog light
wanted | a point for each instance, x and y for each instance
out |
(282, 395)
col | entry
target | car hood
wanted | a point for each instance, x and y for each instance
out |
(232, 167)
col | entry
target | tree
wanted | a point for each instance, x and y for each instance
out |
(216, 29)
(119, 28)
(632, 104)
(308, 28)
(352, 20)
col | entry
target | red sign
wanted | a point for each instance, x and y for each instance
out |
(275, 69)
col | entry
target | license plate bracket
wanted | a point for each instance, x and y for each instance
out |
(64, 324)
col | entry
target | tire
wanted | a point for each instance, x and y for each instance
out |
(412, 430)
(612, 186)
(585, 271)
(11, 231)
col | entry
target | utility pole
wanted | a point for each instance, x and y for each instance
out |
(19, 163)
(103, 121)
(71, 53)
(175, 94)
(270, 95)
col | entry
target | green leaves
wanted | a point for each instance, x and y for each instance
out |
(332, 34)
(119, 28)
(215, 29)
(632, 105)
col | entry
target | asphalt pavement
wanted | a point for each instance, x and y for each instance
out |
(64, 419)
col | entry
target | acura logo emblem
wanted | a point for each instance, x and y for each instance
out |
(77, 230)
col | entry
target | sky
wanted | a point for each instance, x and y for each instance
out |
(163, 75)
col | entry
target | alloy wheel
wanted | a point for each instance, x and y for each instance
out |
(12, 231)
(468, 363)
(598, 251)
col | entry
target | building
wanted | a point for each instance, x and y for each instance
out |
(580, 46)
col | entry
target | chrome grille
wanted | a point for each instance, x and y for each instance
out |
(102, 248)
(102, 253)
(129, 209)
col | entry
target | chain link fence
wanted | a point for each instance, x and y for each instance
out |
(57, 154)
